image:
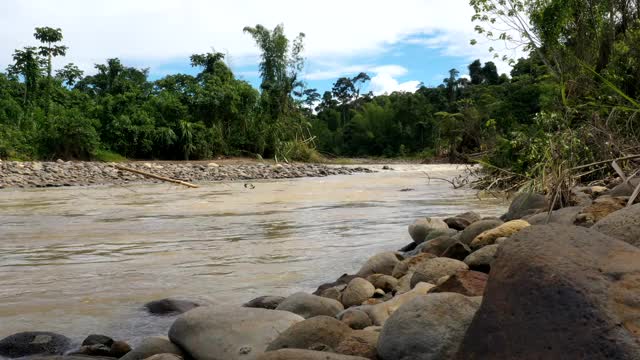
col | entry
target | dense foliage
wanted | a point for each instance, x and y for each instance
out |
(572, 100)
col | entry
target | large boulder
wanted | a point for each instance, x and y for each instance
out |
(467, 283)
(357, 291)
(623, 225)
(481, 259)
(170, 306)
(565, 216)
(432, 270)
(505, 230)
(477, 228)
(316, 333)
(360, 343)
(307, 305)
(34, 343)
(624, 189)
(342, 280)
(355, 318)
(421, 228)
(299, 354)
(428, 327)
(265, 302)
(559, 292)
(152, 346)
(525, 204)
(229, 333)
(382, 263)
(405, 266)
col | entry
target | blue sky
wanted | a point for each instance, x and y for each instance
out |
(398, 44)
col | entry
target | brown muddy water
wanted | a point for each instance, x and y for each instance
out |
(84, 260)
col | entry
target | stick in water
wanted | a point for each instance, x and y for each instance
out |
(175, 181)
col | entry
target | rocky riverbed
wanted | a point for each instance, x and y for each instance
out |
(527, 285)
(68, 173)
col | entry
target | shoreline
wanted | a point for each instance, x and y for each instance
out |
(35, 174)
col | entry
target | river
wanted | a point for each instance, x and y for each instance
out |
(84, 260)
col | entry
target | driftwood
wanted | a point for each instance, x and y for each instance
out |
(175, 181)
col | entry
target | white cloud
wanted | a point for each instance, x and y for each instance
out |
(156, 31)
(384, 80)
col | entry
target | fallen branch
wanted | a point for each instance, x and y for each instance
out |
(175, 181)
(606, 161)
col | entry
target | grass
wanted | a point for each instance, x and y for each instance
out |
(108, 156)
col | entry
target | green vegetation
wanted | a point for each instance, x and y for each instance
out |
(573, 100)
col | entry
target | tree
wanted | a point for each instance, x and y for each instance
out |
(28, 64)
(69, 75)
(475, 73)
(490, 73)
(452, 85)
(49, 36)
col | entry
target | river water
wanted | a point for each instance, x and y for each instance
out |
(84, 260)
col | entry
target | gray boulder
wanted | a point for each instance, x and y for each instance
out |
(265, 302)
(357, 291)
(299, 354)
(623, 225)
(355, 318)
(432, 270)
(477, 228)
(152, 346)
(525, 204)
(229, 333)
(34, 343)
(382, 263)
(307, 305)
(170, 306)
(565, 216)
(481, 260)
(428, 327)
(422, 227)
(320, 332)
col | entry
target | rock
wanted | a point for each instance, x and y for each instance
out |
(169, 306)
(467, 283)
(320, 332)
(481, 259)
(437, 245)
(431, 270)
(403, 267)
(307, 305)
(600, 208)
(384, 282)
(333, 293)
(152, 346)
(624, 189)
(355, 318)
(404, 283)
(574, 288)
(265, 302)
(360, 343)
(212, 165)
(33, 343)
(458, 251)
(475, 229)
(382, 263)
(525, 204)
(440, 232)
(422, 227)
(164, 357)
(566, 216)
(379, 313)
(462, 221)
(298, 354)
(229, 333)
(342, 280)
(428, 327)
(357, 291)
(94, 350)
(623, 225)
(97, 340)
(505, 230)
(119, 349)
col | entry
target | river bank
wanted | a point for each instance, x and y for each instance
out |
(466, 286)
(77, 173)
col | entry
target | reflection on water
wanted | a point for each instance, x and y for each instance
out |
(83, 260)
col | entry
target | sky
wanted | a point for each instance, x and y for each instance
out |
(399, 44)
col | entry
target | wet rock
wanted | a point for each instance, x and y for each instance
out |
(481, 259)
(525, 204)
(342, 280)
(307, 305)
(428, 327)
(229, 333)
(94, 350)
(119, 349)
(357, 291)
(565, 216)
(422, 227)
(385, 282)
(299, 354)
(360, 343)
(169, 306)
(436, 246)
(478, 227)
(333, 292)
(33, 343)
(467, 283)
(152, 346)
(382, 263)
(265, 302)
(431, 270)
(574, 288)
(623, 225)
(317, 332)
(164, 357)
(505, 230)
(97, 340)
(457, 251)
(462, 221)
(355, 318)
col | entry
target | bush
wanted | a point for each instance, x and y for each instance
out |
(69, 135)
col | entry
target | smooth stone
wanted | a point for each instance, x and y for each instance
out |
(379, 313)
(307, 305)
(420, 228)
(152, 346)
(385, 282)
(566, 216)
(355, 318)
(168, 356)
(481, 259)
(97, 340)
(431, 270)
(407, 265)
(467, 283)
(360, 343)
(342, 280)
(505, 230)
(623, 225)
(525, 204)
(316, 332)
(382, 263)
(478, 227)
(299, 354)
(229, 333)
(265, 302)
(34, 343)
(357, 291)
(170, 306)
